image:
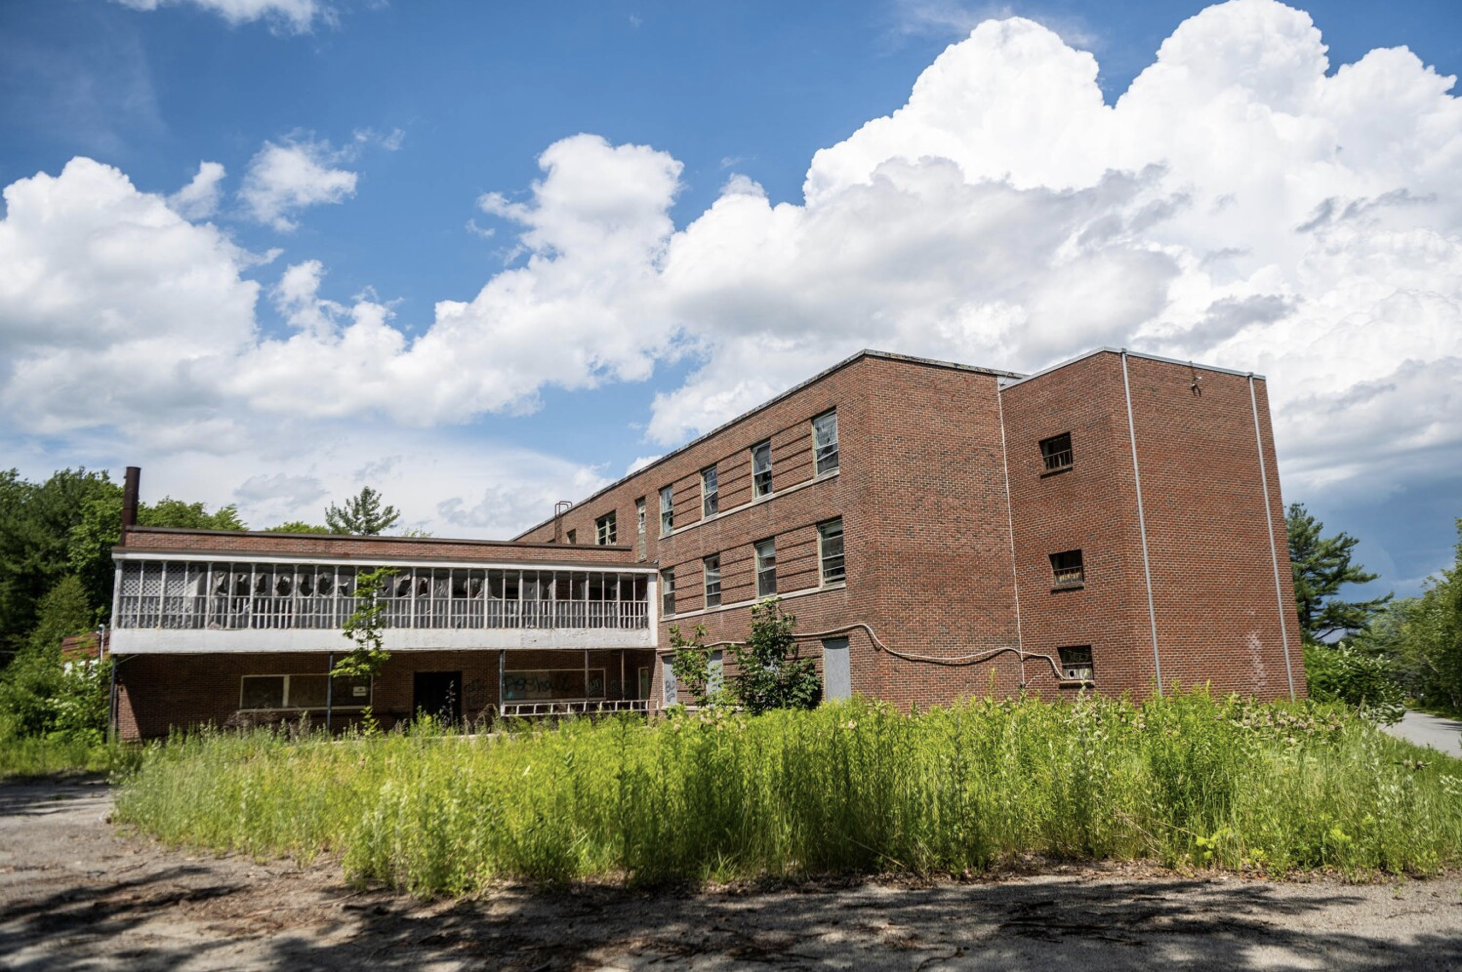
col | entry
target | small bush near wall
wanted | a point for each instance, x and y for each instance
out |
(847, 788)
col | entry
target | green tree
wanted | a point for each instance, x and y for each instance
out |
(691, 664)
(34, 688)
(297, 526)
(36, 520)
(98, 529)
(1422, 636)
(770, 671)
(361, 515)
(1322, 566)
(365, 628)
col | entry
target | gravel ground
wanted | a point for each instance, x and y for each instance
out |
(77, 894)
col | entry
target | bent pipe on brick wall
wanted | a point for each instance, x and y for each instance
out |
(956, 661)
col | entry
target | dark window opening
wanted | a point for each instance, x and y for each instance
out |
(761, 469)
(1056, 452)
(1076, 663)
(1067, 568)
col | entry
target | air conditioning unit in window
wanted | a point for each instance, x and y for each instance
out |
(1077, 673)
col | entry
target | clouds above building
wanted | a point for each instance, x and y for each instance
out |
(1240, 204)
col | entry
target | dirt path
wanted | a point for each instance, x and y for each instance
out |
(75, 894)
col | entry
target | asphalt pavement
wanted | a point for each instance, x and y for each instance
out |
(1436, 732)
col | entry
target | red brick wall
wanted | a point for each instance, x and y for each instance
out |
(372, 549)
(1212, 572)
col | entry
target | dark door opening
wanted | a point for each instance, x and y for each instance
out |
(439, 695)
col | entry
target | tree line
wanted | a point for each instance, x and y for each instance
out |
(1378, 652)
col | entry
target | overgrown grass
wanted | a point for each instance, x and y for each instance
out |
(854, 787)
(44, 756)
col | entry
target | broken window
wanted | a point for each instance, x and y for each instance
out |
(667, 592)
(1076, 663)
(766, 567)
(1056, 452)
(303, 692)
(825, 442)
(667, 509)
(1067, 568)
(712, 568)
(710, 492)
(761, 469)
(606, 531)
(830, 551)
(573, 536)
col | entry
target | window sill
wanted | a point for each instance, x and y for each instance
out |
(1077, 683)
(1078, 585)
(834, 586)
(1057, 471)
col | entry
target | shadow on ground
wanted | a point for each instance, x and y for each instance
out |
(171, 913)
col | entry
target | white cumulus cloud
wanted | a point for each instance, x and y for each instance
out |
(199, 198)
(291, 16)
(284, 178)
(1239, 205)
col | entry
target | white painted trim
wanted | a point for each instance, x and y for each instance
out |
(1142, 525)
(224, 557)
(755, 502)
(804, 592)
(1126, 354)
(171, 641)
(1273, 550)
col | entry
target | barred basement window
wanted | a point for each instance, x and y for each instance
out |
(667, 592)
(761, 469)
(710, 492)
(830, 551)
(712, 567)
(1056, 452)
(1076, 663)
(825, 442)
(766, 568)
(605, 530)
(667, 509)
(1067, 568)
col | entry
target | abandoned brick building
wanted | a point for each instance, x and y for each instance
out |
(939, 530)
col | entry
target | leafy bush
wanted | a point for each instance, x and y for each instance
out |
(849, 787)
(770, 672)
(1342, 673)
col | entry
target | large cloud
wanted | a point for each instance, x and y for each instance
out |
(1237, 205)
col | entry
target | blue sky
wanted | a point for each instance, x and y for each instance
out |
(370, 161)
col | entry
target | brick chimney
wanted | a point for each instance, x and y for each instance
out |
(129, 502)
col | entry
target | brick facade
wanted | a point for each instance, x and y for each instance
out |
(949, 519)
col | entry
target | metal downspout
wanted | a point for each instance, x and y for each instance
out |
(1010, 526)
(1142, 525)
(1273, 550)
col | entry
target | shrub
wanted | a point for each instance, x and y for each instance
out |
(1341, 673)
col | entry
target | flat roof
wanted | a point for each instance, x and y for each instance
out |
(801, 385)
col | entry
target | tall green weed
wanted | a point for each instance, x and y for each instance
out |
(855, 787)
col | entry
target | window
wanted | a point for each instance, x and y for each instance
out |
(761, 469)
(766, 568)
(1076, 663)
(825, 442)
(1067, 568)
(830, 551)
(667, 592)
(1056, 452)
(640, 518)
(667, 509)
(573, 536)
(303, 692)
(710, 493)
(605, 530)
(545, 684)
(712, 567)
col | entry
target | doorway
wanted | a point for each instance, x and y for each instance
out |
(439, 695)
